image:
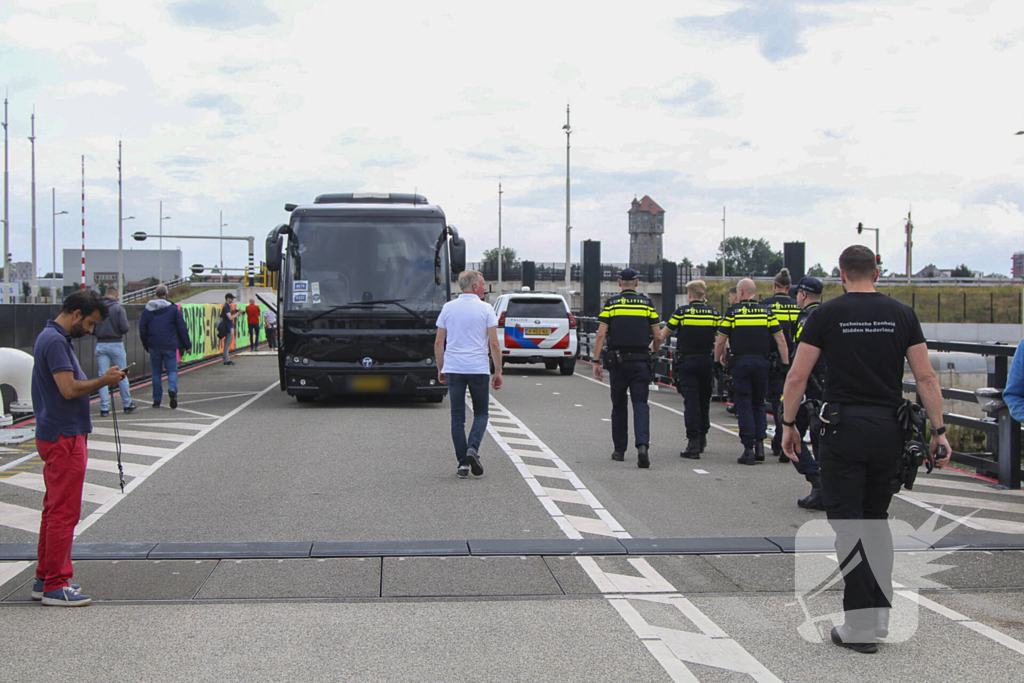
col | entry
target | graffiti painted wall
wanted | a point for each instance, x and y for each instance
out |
(201, 321)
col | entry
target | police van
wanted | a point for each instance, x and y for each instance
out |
(534, 327)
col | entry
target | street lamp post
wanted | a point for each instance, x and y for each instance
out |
(500, 253)
(1020, 132)
(120, 261)
(160, 255)
(568, 228)
(53, 273)
(222, 226)
(35, 272)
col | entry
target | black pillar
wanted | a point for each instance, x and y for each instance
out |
(529, 275)
(591, 280)
(793, 258)
(669, 279)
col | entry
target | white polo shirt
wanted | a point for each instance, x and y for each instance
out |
(466, 321)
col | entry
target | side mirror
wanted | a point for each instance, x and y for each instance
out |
(457, 251)
(274, 240)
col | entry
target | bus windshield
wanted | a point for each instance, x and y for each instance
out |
(335, 261)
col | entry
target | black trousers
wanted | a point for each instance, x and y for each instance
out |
(776, 384)
(694, 379)
(749, 384)
(634, 377)
(858, 461)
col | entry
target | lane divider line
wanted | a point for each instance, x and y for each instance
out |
(671, 648)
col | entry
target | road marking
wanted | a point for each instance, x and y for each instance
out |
(971, 503)
(150, 451)
(139, 480)
(15, 463)
(152, 436)
(215, 398)
(173, 425)
(130, 468)
(9, 570)
(670, 647)
(91, 493)
(18, 517)
(701, 471)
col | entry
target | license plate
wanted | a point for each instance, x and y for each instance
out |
(371, 383)
(538, 330)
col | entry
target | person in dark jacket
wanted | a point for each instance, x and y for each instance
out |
(162, 331)
(109, 335)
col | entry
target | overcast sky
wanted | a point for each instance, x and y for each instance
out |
(803, 118)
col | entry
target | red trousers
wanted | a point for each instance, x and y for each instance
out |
(64, 473)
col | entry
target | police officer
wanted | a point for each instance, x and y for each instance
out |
(630, 324)
(864, 336)
(723, 370)
(693, 363)
(786, 311)
(808, 296)
(750, 327)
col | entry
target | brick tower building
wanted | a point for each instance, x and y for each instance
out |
(646, 227)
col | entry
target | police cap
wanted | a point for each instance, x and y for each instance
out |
(811, 284)
(628, 274)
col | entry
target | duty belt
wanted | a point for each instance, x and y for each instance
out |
(632, 356)
(860, 410)
(693, 356)
(745, 356)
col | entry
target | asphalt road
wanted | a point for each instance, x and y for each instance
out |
(247, 463)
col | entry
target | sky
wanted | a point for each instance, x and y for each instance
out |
(801, 118)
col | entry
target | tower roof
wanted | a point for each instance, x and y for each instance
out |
(649, 205)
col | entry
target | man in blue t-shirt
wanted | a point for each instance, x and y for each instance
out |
(60, 399)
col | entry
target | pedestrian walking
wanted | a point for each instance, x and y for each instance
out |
(630, 324)
(865, 336)
(109, 334)
(808, 418)
(163, 332)
(226, 326)
(60, 398)
(270, 325)
(466, 328)
(749, 328)
(696, 326)
(252, 318)
(786, 310)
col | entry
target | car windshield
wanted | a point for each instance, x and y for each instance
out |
(336, 261)
(536, 308)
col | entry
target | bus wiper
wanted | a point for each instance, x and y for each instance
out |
(396, 302)
(332, 309)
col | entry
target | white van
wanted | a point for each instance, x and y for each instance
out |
(535, 327)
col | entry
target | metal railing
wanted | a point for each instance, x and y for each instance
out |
(150, 292)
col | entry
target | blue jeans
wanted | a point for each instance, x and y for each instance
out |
(749, 386)
(109, 354)
(478, 390)
(162, 360)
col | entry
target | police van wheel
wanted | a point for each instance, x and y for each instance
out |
(305, 399)
(568, 366)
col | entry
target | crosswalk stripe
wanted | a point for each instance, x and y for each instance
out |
(931, 482)
(590, 526)
(154, 436)
(91, 493)
(565, 495)
(171, 425)
(970, 503)
(546, 472)
(130, 468)
(151, 451)
(18, 517)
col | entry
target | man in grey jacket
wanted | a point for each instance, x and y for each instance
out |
(110, 351)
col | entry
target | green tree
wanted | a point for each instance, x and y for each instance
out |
(509, 257)
(816, 271)
(962, 271)
(835, 272)
(686, 263)
(26, 289)
(712, 269)
(745, 256)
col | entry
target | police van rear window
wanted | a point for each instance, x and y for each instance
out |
(536, 308)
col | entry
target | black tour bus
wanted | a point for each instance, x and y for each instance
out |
(363, 279)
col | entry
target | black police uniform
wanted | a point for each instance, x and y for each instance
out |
(786, 311)
(696, 326)
(750, 327)
(864, 338)
(808, 464)
(629, 317)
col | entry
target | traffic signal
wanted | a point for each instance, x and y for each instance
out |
(860, 228)
(878, 261)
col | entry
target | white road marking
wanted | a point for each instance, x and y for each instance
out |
(139, 480)
(152, 436)
(130, 468)
(18, 517)
(671, 647)
(172, 425)
(17, 462)
(971, 503)
(215, 398)
(8, 570)
(111, 447)
(701, 471)
(91, 493)
(606, 419)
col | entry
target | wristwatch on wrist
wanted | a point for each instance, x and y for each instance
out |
(940, 431)
(788, 424)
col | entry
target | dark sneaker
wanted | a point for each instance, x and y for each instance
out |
(131, 408)
(66, 597)
(174, 399)
(37, 588)
(104, 413)
(474, 462)
(463, 471)
(230, 362)
(156, 404)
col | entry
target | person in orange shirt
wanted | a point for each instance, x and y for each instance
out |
(252, 314)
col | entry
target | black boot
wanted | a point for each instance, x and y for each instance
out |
(703, 442)
(759, 451)
(780, 454)
(812, 501)
(618, 456)
(693, 449)
(642, 459)
(748, 457)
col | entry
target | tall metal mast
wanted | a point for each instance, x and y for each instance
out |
(568, 226)
(7, 194)
(501, 253)
(35, 271)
